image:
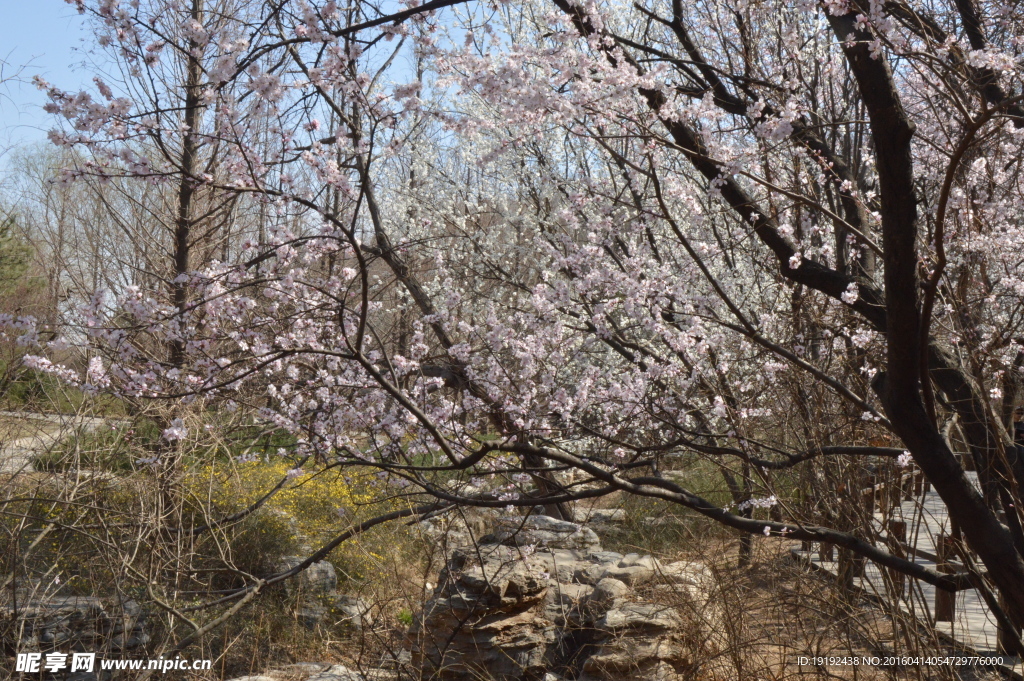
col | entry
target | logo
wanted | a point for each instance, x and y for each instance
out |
(32, 663)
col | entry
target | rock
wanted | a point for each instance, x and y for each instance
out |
(608, 523)
(504, 613)
(486, 618)
(337, 673)
(683, 572)
(77, 623)
(629, 559)
(610, 557)
(310, 614)
(654, 660)
(590, 573)
(566, 604)
(318, 580)
(645, 617)
(607, 592)
(599, 516)
(454, 531)
(634, 575)
(543, 531)
(571, 594)
(558, 564)
(314, 589)
(354, 612)
(635, 559)
(696, 581)
(637, 641)
(608, 515)
(121, 642)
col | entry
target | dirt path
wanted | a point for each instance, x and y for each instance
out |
(23, 436)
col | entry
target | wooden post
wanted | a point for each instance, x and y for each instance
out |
(869, 495)
(898, 533)
(882, 495)
(826, 551)
(857, 565)
(945, 601)
(918, 482)
(846, 571)
(805, 546)
(1006, 640)
(857, 561)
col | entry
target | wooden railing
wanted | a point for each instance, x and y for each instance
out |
(877, 496)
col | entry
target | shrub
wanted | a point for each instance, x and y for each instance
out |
(114, 448)
(311, 509)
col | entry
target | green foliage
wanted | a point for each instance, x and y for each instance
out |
(22, 388)
(107, 448)
(117, 448)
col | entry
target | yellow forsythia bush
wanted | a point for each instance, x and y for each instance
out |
(311, 509)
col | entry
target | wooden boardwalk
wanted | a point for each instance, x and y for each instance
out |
(973, 627)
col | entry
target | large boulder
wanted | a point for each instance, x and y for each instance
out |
(539, 600)
(312, 590)
(455, 530)
(638, 641)
(486, 619)
(317, 581)
(353, 612)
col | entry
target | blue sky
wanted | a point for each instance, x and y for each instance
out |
(45, 37)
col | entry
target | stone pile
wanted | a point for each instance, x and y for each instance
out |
(75, 623)
(537, 599)
(543, 600)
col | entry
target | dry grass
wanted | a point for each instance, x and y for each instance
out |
(765, 616)
(774, 611)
